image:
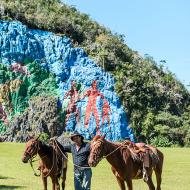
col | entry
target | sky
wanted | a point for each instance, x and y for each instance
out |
(159, 28)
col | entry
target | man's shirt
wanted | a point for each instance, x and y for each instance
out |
(80, 157)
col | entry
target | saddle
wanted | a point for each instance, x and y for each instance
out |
(143, 153)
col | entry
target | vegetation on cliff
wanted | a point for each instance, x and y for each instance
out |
(157, 104)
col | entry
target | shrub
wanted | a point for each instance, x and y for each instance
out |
(161, 141)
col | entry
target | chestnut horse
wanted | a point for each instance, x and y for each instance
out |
(52, 164)
(124, 166)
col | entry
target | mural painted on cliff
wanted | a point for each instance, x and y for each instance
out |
(91, 108)
(94, 107)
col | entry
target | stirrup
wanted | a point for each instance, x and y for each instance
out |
(145, 175)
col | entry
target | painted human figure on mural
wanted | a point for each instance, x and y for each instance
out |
(72, 106)
(91, 107)
(106, 111)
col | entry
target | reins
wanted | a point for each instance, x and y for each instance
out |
(122, 144)
(113, 151)
(37, 175)
(87, 167)
(31, 161)
(32, 157)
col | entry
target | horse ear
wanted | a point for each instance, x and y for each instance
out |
(38, 137)
(30, 136)
(103, 137)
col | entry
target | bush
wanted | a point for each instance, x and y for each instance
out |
(161, 141)
(44, 137)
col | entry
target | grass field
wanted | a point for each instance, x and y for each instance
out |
(16, 175)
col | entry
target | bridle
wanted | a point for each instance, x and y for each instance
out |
(101, 156)
(33, 151)
(98, 154)
(32, 154)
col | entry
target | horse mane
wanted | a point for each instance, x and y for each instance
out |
(97, 137)
(47, 149)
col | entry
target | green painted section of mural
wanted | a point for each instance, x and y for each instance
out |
(17, 88)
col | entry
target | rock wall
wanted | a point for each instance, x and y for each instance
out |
(85, 91)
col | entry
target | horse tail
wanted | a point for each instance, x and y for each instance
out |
(158, 169)
(161, 160)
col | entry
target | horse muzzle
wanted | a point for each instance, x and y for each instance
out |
(25, 158)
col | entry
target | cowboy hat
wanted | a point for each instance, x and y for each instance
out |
(76, 133)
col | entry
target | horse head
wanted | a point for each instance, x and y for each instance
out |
(31, 149)
(96, 150)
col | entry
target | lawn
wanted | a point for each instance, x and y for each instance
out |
(16, 175)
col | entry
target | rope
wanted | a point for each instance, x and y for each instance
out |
(82, 167)
(52, 165)
(31, 161)
(37, 175)
(113, 151)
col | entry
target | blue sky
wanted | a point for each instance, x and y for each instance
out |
(159, 28)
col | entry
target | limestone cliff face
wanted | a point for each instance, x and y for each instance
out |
(84, 92)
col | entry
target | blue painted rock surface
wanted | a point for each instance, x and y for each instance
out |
(69, 64)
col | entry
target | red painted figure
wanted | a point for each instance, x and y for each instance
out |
(72, 107)
(106, 110)
(92, 94)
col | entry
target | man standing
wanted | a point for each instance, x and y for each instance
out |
(80, 151)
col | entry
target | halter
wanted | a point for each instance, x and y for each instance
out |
(31, 154)
(100, 140)
(32, 157)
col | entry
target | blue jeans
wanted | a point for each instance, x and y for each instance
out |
(82, 179)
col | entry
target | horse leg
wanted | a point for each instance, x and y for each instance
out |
(129, 183)
(63, 178)
(150, 183)
(158, 172)
(119, 180)
(44, 180)
(55, 183)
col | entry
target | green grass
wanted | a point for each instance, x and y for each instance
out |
(16, 175)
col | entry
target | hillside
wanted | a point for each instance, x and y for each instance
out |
(156, 103)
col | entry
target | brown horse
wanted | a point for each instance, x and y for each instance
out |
(124, 165)
(52, 164)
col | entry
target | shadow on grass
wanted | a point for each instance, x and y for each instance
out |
(10, 187)
(5, 177)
